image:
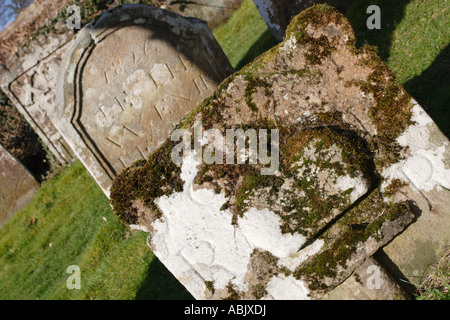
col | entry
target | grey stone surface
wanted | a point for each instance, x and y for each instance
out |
(127, 79)
(17, 186)
(278, 13)
(29, 81)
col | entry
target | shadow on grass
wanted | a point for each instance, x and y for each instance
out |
(392, 13)
(431, 89)
(160, 284)
(265, 42)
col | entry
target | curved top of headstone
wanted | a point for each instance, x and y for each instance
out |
(127, 79)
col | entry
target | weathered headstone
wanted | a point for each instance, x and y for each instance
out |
(359, 161)
(29, 81)
(278, 13)
(127, 79)
(17, 186)
(30, 75)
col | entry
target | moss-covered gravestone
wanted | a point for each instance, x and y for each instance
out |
(127, 79)
(352, 158)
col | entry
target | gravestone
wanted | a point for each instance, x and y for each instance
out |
(359, 162)
(127, 79)
(29, 81)
(29, 76)
(278, 13)
(17, 186)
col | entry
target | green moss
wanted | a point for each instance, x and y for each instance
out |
(254, 82)
(394, 187)
(316, 17)
(357, 226)
(356, 158)
(145, 181)
(254, 182)
(210, 286)
(90, 11)
(233, 293)
(392, 111)
(258, 291)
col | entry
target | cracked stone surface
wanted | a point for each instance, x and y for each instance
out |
(17, 186)
(127, 79)
(359, 162)
(278, 13)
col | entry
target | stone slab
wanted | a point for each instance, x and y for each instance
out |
(370, 281)
(228, 231)
(17, 186)
(278, 13)
(127, 79)
(29, 81)
(425, 171)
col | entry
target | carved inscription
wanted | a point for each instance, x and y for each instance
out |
(143, 91)
(34, 93)
(127, 80)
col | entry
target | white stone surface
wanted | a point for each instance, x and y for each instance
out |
(424, 166)
(198, 242)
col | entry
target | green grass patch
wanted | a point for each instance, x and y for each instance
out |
(70, 222)
(437, 285)
(245, 35)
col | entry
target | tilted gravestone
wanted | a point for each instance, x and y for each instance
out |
(278, 13)
(17, 186)
(29, 81)
(127, 79)
(359, 160)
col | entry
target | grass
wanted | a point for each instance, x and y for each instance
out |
(437, 285)
(69, 222)
(245, 36)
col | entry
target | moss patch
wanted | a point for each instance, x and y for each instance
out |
(145, 181)
(357, 226)
(317, 16)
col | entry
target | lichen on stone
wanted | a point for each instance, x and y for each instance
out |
(338, 111)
